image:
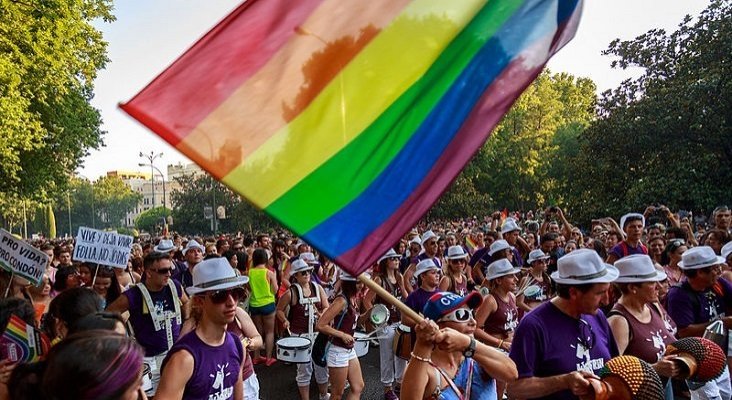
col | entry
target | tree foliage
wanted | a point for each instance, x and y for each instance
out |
(516, 167)
(152, 220)
(664, 137)
(202, 191)
(49, 57)
(114, 200)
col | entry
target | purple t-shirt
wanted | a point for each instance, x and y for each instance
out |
(619, 249)
(215, 369)
(549, 342)
(709, 303)
(154, 342)
(417, 299)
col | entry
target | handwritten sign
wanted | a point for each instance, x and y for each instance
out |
(106, 248)
(21, 258)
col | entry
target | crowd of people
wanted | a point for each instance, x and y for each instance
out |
(516, 305)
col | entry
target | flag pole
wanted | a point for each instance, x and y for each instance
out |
(389, 298)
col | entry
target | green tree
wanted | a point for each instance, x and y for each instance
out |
(196, 193)
(514, 166)
(76, 205)
(49, 57)
(50, 222)
(114, 199)
(665, 136)
(151, 221)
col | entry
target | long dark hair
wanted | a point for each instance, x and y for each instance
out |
(93, 364)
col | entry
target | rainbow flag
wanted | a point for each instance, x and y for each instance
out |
(22, 342)
(346, 120)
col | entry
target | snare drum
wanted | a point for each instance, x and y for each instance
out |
(294, 349)
(376, 318)
(404, 339)
(361, 344)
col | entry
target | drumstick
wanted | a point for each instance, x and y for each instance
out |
(526, 284)
(387, 297)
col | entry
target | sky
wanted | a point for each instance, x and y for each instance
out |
(149, 35)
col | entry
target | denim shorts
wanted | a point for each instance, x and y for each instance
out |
(264, 310)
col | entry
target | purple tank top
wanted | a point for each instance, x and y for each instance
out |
(298, 312)
(215, 369)
(154, 342)
(348, 325)
(504, 320)
(647, 341)
(393, 288)
(459, 288)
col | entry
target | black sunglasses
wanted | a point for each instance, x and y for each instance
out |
(162, 271)
(220, 296)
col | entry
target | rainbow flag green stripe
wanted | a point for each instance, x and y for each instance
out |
(343, 177)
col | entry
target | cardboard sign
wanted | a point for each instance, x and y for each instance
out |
(106, 248)
(21, 258)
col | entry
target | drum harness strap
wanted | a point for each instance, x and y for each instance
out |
(163, 319)
(309, 302)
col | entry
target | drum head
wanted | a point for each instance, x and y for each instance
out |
(294, 342)
(532, 291)
(379, 315)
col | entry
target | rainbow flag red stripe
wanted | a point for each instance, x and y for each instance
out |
(346, 120)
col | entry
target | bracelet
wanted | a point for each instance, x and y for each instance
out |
(500, 344)
(423, 359)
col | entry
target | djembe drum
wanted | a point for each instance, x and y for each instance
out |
(626, 378)
(701, 360)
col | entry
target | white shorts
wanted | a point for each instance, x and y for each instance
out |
(154, 363)
(251, 388)
(338, 357)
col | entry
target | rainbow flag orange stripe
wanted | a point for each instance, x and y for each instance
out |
(346, 120)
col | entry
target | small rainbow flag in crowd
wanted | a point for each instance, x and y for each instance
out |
(22, 342)
(346, 119)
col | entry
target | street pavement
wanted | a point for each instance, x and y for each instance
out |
(278, 381)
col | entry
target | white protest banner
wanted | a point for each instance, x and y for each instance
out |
(106, 248)
(21, 258)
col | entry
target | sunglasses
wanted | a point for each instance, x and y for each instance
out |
(459, 315)
(162, 271)
(303, 273)
(238, 247)
(458, 261)
(220, 296)
(586, 335)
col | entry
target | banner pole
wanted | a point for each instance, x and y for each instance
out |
(389, 298)
(10, 283)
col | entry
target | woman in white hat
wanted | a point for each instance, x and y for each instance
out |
(305, 301)
(455, 280)
(637, 323)
(338, 321)
(391, 367)
(497, 317)
(537, 285)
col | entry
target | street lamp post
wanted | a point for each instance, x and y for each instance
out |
(151, 158)
(161, 177)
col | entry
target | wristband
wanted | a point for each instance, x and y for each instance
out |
(423, 359)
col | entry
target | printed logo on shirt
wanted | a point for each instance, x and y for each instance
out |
(588, 363)
(511, 321)
(658, 343)
(218, 384)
